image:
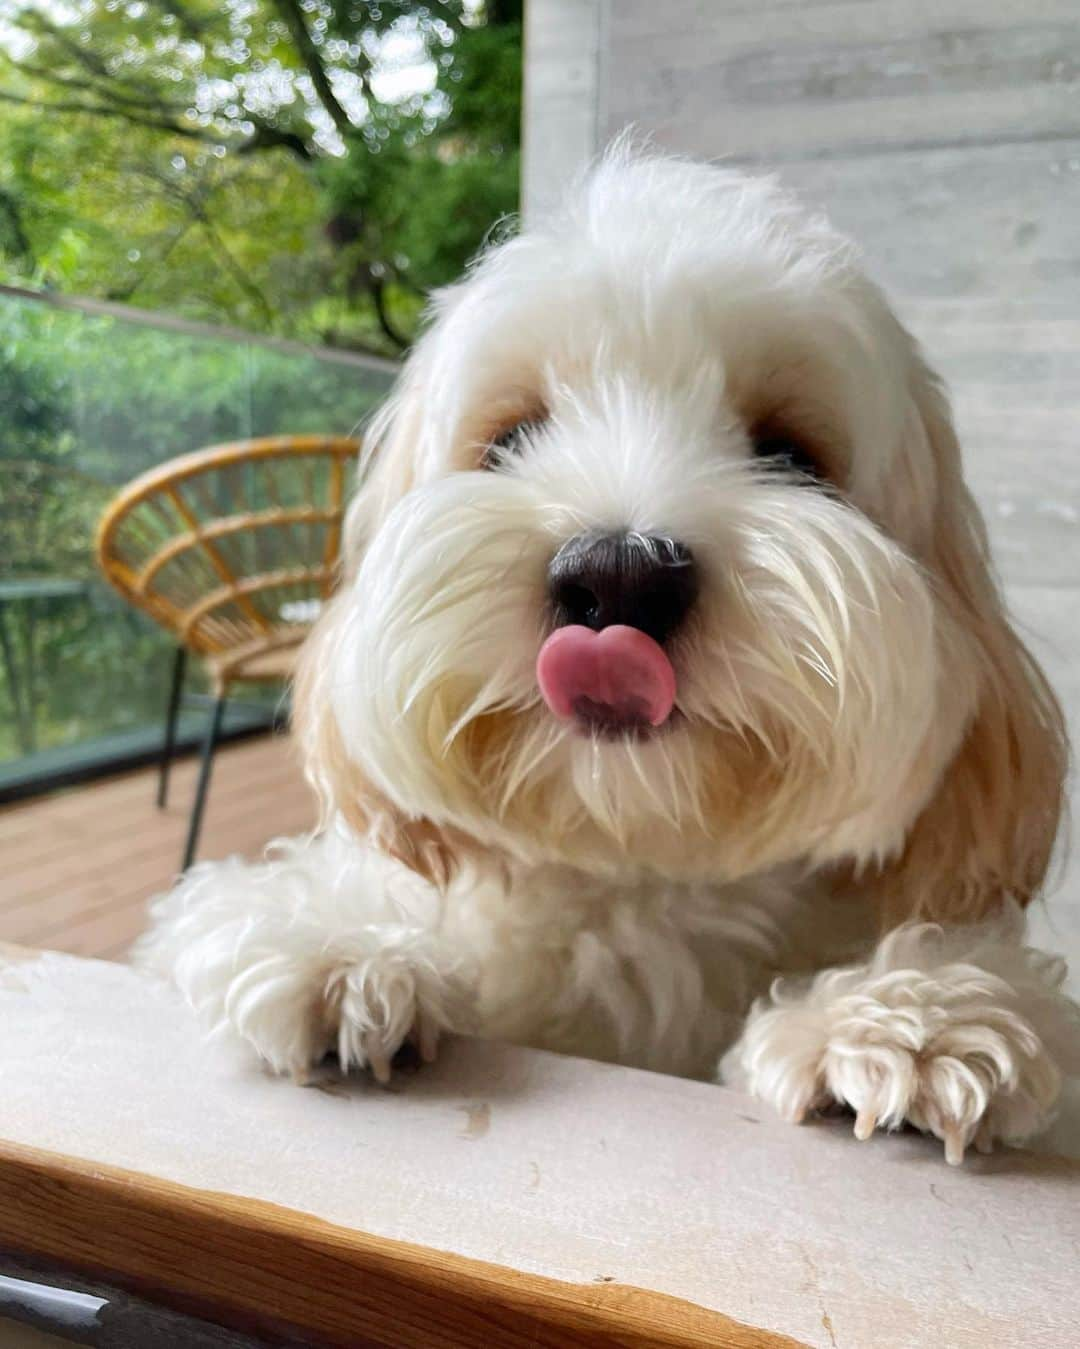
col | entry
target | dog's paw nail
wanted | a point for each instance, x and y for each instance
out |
(955, 1144)
(428, 1040)
(984, 1138)
(865, 1124)
(301, 1075)
(380, 1066)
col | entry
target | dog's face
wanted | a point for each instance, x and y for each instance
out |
(679, 430)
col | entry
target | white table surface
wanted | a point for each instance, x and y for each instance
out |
(557, 1166)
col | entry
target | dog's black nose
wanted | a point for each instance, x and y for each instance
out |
(642, 581)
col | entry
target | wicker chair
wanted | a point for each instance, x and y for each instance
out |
(232, 550)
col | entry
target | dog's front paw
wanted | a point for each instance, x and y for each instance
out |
(379, 1003)
(293, 1012)
(310, 952)
(948, 1051)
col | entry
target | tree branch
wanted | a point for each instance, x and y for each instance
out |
(331, 337)
(36, 22)
(195, 206)
(125, 114)
(123, 294)
(9, 206)
(246, 284)
(143, 107)
(378, 297)
(293, 18)
(104, 89)
(191, 25)
(265, 137)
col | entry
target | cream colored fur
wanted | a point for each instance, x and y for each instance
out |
(861, 739)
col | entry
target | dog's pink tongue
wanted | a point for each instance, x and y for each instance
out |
(619, 673)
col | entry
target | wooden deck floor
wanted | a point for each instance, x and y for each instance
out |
(77, 867)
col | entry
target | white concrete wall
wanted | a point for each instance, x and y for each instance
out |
(562, 96)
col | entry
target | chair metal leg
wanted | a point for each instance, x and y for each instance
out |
(176, 689)
(205, 766)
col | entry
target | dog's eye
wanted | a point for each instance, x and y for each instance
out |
(510, 441)
(779, 449)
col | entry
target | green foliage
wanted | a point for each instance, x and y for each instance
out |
(307, 167)
(85, 404)
(302, 167)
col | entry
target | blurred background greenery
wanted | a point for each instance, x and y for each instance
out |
(308, 168)
(299, 169)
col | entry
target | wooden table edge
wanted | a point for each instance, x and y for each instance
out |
(257, 1265)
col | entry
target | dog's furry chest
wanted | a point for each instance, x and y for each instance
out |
(644, 972)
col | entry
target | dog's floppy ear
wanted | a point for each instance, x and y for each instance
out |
(988, 832)
(387, 472)
(337, 779)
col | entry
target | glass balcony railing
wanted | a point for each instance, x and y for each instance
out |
(90, 396)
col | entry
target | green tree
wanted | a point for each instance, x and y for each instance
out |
(309, 167)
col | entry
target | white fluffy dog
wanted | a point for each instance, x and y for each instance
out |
(667, 661)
